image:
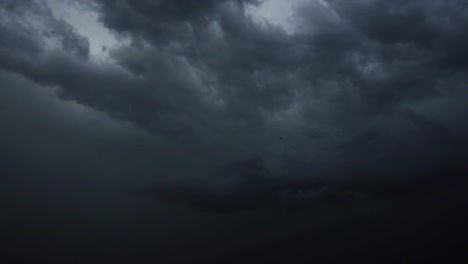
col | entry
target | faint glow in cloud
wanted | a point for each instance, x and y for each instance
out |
(86, 23)
(280, 13)
(274, 12)
(324, 3)
(286, 14)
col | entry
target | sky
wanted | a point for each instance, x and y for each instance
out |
(233, 131)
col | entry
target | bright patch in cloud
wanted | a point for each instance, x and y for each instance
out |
(275, 12)
(85, 21)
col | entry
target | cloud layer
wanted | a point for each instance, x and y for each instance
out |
(361, 98)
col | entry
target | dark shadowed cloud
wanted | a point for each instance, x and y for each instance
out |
(351, 96)
(233, 131)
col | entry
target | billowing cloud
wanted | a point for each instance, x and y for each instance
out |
(351, 96)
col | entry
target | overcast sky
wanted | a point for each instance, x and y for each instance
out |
(139, 115)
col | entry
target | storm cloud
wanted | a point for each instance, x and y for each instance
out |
(232, 106)
(335, 98)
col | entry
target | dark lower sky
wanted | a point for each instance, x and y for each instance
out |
(233, 131)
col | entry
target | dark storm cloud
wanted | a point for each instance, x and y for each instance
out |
(247, 185)
(438, 27)
(52, 147)
(342, 91)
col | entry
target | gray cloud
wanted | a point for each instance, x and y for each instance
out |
(343, 92)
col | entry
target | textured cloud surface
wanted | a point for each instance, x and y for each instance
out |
(233, 131)
(339, 93)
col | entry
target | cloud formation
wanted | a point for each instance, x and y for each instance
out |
(344, 101)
